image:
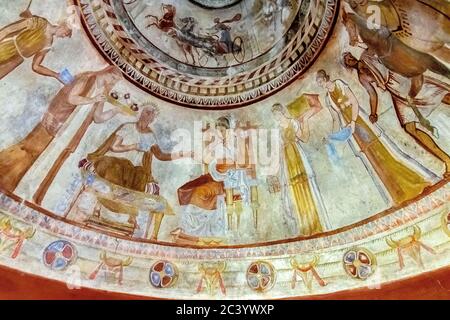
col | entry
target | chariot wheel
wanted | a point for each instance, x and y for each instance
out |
(239, 49)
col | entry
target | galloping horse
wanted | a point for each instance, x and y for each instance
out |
(423, 25)
(204, 45)
(408, 62)
(393, 53)
(167, 25)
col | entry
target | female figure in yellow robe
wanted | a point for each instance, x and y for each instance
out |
(303, 198)
(401, 182)
(31, 37)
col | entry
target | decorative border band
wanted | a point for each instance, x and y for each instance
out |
(104, 29)
(22, 211)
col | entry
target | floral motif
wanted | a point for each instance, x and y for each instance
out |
(359, 263)
(59, 255)
(163, 274)
(261, 276)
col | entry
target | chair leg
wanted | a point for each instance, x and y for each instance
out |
(158, 219)
(255, 205)
(230, 216)
(230, 207)
(97, 210)
(238, 211)
(255, 217)
(149, 224)
(132, 220)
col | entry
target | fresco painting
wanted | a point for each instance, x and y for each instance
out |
(225, 149)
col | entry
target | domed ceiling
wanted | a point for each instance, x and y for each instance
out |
(218, 55)
(276, 148)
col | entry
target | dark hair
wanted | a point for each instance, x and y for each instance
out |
(223, 122)
(278, 107)
(347, 54)
(322, 74)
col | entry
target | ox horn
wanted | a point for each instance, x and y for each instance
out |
(5, 222)
(417, 233)
(293, 262)
(391, 243)
(127, 262)
(222, 266)
(314, 261)
(29, 233)
(103, 255)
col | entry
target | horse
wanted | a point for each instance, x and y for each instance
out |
(393, 53)
(167, 25)
(423, 25)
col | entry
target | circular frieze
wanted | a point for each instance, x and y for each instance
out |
(210, 59)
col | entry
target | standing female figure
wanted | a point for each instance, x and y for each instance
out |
(300, 192)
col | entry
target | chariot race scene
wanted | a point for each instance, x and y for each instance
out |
(191, 35)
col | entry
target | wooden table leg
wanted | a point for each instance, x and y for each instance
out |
(230, 207)
(158, 216)
(255, 205)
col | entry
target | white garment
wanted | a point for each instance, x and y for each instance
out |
(199, 222)
(130, 135)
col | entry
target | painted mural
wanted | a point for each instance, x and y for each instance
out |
(225, 149)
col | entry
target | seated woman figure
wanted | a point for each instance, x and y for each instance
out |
(203, 198)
